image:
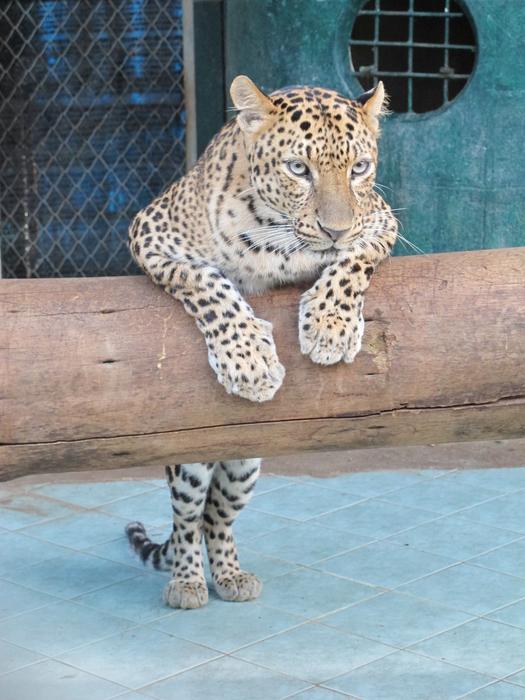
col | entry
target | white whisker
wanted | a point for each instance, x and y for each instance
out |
(240, 194)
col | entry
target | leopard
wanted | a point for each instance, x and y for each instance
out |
(283, 194)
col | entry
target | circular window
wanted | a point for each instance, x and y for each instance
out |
(423, 50)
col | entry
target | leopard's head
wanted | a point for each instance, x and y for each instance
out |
(312, 155)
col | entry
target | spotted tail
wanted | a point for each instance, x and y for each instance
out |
(159, 556)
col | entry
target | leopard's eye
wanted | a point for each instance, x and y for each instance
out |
(361, 167)
(298, 168)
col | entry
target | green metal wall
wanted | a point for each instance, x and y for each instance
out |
(459, 171)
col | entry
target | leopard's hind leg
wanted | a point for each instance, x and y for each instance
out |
(230, 490)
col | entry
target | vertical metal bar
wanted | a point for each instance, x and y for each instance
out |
(188, 48)
(410, 53)
(446, 66)
(376, 39)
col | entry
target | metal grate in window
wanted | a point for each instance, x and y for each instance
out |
(424, 51)
(92, 127)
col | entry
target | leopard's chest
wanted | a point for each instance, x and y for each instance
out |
(257, 271)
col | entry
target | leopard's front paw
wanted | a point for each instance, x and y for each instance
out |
(329, 333)
(238, 586)
(248, 365)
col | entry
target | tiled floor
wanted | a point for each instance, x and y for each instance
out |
(377, 586)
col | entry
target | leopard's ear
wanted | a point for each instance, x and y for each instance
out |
(374, 104)
(253, 105)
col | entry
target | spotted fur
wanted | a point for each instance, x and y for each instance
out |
(279, 196)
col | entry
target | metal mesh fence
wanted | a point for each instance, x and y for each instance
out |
(92, 127)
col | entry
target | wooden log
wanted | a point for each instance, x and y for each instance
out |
(110, 373)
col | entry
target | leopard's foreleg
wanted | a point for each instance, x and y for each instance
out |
(241, 349)
(230, 491)
(331, 320)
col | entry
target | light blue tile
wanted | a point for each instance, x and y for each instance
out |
(499, 691)
(440, 495)
(374, 518)
(78, 531)
(131, 696)
(227, 626)
(513, 614)
(91, 495)
(396, 619)
(21, 510)
(53, 680)
(228, 678)
(252, 523)
(138, 657)
(71, 575)
(405, 676)
(152, 508)
(455, 537)
(505, 511)
(502, 479)
(19, 550)
(313, 652)
(370, 483)
(302, 501)
(15, 599)
(384, 564)
(138, 599)
(312, 593)
(13, 657)
(469, 588)
(265, 567)
(509, 559)
(481, 645)
(58, 627)
(305, 543)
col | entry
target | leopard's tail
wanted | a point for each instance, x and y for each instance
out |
(159, 556)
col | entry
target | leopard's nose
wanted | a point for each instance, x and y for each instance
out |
(334, 234)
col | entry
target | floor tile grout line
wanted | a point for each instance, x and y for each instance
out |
(433, 515)
(222, 655)
(448, 661)
(106, 636)
(133, 628)
(451, 565)
(73, 504)
(423, 656)
(47, 658)
(451, 512)
(337, 693)
(459, 512)
(58, 599)
(517, 537)
(23, 666)
(300, 623)
(306, 680)
(133, 569)
(492, 683)
(407, 647)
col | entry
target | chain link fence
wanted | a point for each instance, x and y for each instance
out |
(92, 127)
